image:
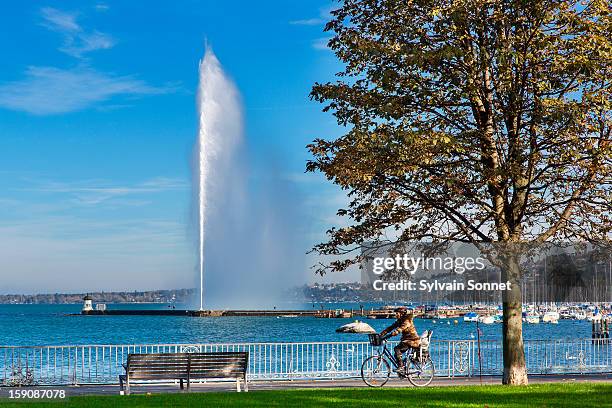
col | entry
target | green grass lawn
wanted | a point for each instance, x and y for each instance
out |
(542, 395)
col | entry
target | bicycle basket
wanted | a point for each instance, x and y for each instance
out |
(375, 339)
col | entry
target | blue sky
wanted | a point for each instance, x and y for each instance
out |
(98, 123)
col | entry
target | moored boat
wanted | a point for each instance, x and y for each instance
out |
(470, 317)
(487, 320)
(550, 317)
(532, 319)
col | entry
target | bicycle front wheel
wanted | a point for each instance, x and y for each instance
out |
(420, 374)
(375, 371)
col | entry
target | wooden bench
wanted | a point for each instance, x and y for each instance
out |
(185, 367)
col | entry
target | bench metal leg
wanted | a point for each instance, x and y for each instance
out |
(237, 384)
(246, 385)
(182, 386)
(127, 390)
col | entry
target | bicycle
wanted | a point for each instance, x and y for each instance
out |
(418, 369)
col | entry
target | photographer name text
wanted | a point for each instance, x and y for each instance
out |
(429, 286)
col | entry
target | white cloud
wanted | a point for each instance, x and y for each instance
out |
(59, 21)
(49, 90)
(77, 40)
(324, 16)
(87, 42)
(101, 7)
(308, 21)
(48, 245)
(59, 254)
(95, 192)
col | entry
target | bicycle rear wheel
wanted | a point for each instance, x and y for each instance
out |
(375, 371)
(420, 374)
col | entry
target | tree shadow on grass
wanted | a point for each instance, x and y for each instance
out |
(557, 395)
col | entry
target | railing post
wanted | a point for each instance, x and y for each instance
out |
(451, 360)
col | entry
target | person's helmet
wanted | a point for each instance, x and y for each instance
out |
(402, 310)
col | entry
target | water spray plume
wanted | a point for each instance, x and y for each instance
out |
(220, 129)
(247, 213)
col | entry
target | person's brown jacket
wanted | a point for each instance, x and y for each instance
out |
(405, 326)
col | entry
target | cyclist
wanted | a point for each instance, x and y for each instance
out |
(410, 338)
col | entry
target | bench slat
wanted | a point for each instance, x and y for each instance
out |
(220, 369)
(193, 376)
(176, 355)
(184, 369)
(185, 363)
(194, 361)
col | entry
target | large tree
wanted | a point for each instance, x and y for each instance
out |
(482, 121)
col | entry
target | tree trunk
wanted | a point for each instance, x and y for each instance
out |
(515, 369)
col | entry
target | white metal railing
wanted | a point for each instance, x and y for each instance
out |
(102, 364)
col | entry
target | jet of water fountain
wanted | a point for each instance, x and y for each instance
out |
(219, 136)
(249, 215)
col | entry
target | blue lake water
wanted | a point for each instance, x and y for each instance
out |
(50, 325)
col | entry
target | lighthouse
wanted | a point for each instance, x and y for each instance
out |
(87, 304)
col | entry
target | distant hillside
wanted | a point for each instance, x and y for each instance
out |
(152, 296)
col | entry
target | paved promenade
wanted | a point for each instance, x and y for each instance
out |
(276, 385)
